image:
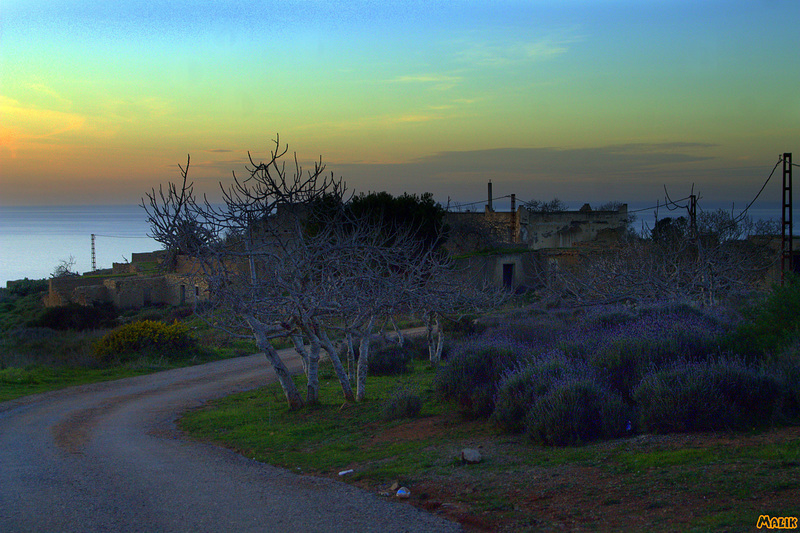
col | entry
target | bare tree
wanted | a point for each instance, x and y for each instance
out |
(542, 206)
(675, 263)
(65, 269)
(282, 257)
(252, 252)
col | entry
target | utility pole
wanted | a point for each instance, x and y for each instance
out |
(94, 261)
(786, 218)
(693, 217)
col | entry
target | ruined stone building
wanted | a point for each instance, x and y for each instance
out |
(131, 285)
(523, 227)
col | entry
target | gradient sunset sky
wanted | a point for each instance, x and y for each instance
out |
(585, 100)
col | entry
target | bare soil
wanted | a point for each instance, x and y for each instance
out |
(708, 481)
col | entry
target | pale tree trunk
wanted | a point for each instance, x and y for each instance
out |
(300, 348)
(312, 395)
(284, 377)
(400, 337)
(344, 380)
(351, 357)
(363, 361)
(429, 338)
(434, 337)
(436, 356)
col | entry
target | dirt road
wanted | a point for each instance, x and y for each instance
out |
(107, 457)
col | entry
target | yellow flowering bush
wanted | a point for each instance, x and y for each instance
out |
(148, 337)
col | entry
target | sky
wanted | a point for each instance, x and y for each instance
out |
(584, 100)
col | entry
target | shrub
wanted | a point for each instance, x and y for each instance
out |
(470, 378)
(389, 360)
(772, 324)
(623, 362)
(145, 337)
(576, 411)
(404, 403)
(464, 326)
(76, 317)
(614, 317)
(19, 312)
(712, 395)
(623, 354)
(521, 387)
(31, 334)
(27, 287)
(530, 331)
(151, 314)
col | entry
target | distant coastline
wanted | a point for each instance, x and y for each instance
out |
(35, 239)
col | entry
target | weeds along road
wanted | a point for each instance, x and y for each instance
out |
(108, 457)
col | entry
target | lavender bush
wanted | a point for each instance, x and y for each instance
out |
(522, 385)
(721, 394)
(571, 376)
(576, 411)
(473, 370)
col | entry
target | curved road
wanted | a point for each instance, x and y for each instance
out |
(108, 457)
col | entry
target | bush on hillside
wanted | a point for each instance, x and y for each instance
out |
(77, 317)
(145, 337)
(520, 387)
(27, 287)
(723, 394)
(404, 403)
(772, 324)
(576, 411)
(471, 375)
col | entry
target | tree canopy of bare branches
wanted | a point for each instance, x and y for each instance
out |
(718, 259)
(284, 257)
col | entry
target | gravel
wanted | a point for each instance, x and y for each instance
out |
(108, 457)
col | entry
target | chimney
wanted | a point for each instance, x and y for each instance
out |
(489, 205)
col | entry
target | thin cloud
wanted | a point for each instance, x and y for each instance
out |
(625, 172)
(428, 79)
(24, 124)
(51, 93)
(493, 54)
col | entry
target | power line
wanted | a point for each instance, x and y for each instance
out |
(743, 213)
(656, 206)
(120, 236)
(460, 205)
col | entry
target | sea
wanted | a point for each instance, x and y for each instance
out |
(34, 240)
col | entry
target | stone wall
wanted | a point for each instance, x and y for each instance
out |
(565, 229)
(510, 270)
(534, 230)
(60, 290)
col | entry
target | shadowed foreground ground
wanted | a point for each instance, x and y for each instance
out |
(107, 457)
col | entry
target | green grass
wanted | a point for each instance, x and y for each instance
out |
(17, 382)
(35, 360)
(723, 486)
(325, 438)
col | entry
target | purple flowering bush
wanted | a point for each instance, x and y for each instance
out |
(575, 411)
(522, 385)
(721, 394)
(569, 377)
(473, 370)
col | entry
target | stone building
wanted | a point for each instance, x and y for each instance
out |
(132, 285)
(524, 227)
